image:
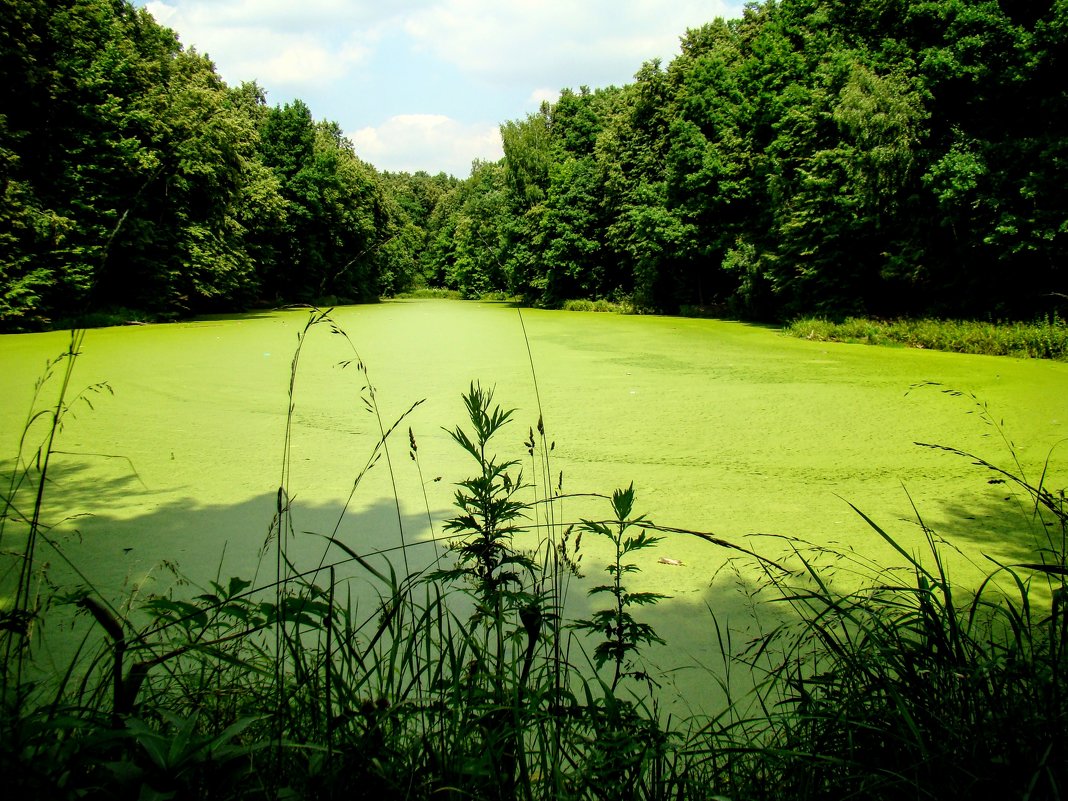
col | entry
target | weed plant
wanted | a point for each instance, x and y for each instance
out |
(622, 634)
(469, 678)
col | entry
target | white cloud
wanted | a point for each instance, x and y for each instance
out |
(431, 142)
(535, 42)
(543, 95)
(594, 42)
(161, 11)
(279, 43)
(293, 62)
(364, 61)
(302, 15)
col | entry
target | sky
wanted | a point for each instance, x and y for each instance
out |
(424, 84)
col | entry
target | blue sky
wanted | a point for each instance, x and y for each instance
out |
(424, 84)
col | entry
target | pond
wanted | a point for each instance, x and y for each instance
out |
(726, 428)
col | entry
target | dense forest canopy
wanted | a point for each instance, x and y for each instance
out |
(883, 157)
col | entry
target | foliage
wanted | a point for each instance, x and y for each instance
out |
(623, 635)
(803, 160)
(623, 306)
(133, 177)
(799, 160)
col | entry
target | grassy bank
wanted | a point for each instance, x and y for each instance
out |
(430, 292)
(475, 678)
(1046, 339)
(599, 305)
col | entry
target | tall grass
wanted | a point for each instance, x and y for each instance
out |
(622, 305)
(466, 676)
(909, 687)
(458, 681)
(1043, 339)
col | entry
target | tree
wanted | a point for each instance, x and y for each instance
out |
(477, 264)
(527, 158)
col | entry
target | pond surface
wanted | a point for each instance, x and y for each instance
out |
(726, 428)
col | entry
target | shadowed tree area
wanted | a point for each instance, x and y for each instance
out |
(136, 183)
(899, 158)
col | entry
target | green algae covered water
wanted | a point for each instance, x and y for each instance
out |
(726, 428)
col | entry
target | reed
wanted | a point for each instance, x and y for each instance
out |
(622, 306)
(1042, 339)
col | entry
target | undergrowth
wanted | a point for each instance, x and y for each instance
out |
(621, 306)
(430, 293)
(470, 675)
(1043, 339)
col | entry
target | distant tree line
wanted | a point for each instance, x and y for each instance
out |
(881, 157)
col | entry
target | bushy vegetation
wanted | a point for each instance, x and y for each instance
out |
(1047, 339)
(601, 305)
(911, 686)
(427, 293)
(471, 678)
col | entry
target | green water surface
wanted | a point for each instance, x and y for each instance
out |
(723, 427)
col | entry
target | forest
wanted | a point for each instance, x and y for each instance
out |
(884, 158)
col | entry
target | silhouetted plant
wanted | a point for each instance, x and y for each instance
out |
(623, 636)
(490, 511)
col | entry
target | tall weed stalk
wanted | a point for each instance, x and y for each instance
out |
(28, 482)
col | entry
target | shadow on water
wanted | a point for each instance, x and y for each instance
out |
(1004, 528)
(251, 314)
(128, 540)
(119, 555)
(737, 605)
(115, 534)
(178, 547)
